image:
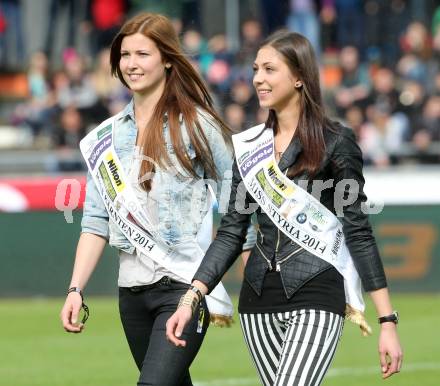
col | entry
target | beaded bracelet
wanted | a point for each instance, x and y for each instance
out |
(189, 300)
(199, 294)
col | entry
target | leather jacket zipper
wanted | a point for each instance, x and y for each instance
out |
(278, 263)
(269, 263)
(278, 243)
(261, 235)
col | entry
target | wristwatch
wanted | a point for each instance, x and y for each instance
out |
(394, 317)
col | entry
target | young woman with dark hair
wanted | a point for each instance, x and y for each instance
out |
(147, 196)
(302, 171)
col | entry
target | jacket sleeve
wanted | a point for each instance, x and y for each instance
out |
(95, 217)
(230, 237)
(347, 165)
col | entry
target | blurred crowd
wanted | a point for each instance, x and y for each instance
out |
(380, 67)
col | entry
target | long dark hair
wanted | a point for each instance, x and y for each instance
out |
(184, 92)
(299, 56)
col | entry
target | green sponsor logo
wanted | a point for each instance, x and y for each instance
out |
(243, 157)
(316, 214)
(103, 132)
(107, 182)
(274, 196)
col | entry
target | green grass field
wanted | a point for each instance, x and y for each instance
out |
(35, 350)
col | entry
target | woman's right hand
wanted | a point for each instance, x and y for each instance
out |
(70, 313)
(176, 323)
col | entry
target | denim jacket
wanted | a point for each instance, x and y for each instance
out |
(181, 203)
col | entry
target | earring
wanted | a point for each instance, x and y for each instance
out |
(298, 84)
(167, 65)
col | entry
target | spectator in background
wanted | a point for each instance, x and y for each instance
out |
(109, 89)
(417, 51)
(69, 131)
(218, 73)
(434, 62)
(350, 23)
(79, 91)
(382, 136)
(12, 44)
(436, 21)
(196, 46)
(303, 18)
(327, 17)
(103, 20)
(388, 124)
(36, 111)
(412, 99)
(385, 21)
(428, 131)
(355, 119)
(416, 40)
(273, 14)
(186, 12)
(235, 117)
(242, 94)
(251, 38)
(61, 12)
(436, 85)
(384, 90)
(355, 84)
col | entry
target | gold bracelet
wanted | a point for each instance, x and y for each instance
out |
(189, 299)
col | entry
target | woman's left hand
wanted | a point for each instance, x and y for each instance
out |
(390, 351)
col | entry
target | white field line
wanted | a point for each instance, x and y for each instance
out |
(332, 373)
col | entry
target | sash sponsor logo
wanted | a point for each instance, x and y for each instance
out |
(337, 243)
(106, 180)
(279, 179)
(100, 147)
(103, 132)
(296, 234)
(274, 196)
(261, 144)
(316, 214)
(247, 165)
(114, 172)
(242, 157)
(301, 218)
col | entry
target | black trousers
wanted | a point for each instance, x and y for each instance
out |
(144, 312)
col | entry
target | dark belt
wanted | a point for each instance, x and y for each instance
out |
(163, 281)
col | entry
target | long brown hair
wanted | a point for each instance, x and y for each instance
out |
(300, 57)
(184, 92)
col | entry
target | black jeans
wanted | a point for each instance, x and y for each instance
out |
(144, 313)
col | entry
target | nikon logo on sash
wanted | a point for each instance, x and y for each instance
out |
(114, 172)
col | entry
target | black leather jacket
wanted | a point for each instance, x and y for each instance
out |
(274, 250)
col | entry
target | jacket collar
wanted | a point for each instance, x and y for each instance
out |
(128, 111)
(291, 154)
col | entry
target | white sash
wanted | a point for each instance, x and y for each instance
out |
(127, 213)
(294, 211)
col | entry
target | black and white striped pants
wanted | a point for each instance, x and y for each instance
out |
(292, 348)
